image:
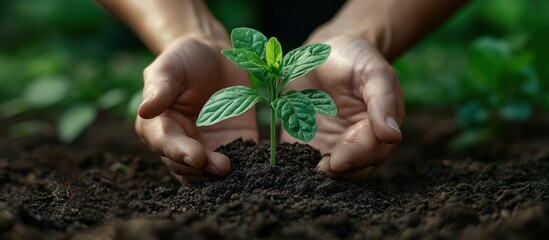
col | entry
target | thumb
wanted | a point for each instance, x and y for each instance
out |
(162, 83)
(384, 101)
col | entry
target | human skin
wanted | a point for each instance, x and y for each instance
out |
(189, 68)
(364, 35)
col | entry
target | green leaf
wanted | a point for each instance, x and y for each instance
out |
(323, 103)
(30, 127)
(469, 138)
(488, 59)
(226, 103)
(257, 85)
(244, 58)
(248, 60)
(249, 39)
(112, 98)
(274, 53)
(13, 107)
(531, 85)
(74, 121)
(301, 60)
(46, 91)
(297, 114)
(133, 104)
(472, 114)
(516, 111)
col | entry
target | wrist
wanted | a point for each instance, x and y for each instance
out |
(159, 23)
(359, 20)
(376, 34)
(391, 26)
(195, 21)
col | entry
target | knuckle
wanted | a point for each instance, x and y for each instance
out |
(390, 99)
(374, 68)
(387, 73)
(148, 72)
(375, 80)
(157, 71)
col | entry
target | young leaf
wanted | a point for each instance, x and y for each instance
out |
(301, 60)
(249, 39)
(297, 114)
(226, 103)
(46, 91)
(247, 60)
(244, 58)
(323, 103)
(74, 121)
(133, 104)
(273, 53)
(258, 86)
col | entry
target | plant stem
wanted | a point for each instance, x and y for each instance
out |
(273, 137)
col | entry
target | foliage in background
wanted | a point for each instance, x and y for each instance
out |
(491, 62)
(501, 86)
(63, 67)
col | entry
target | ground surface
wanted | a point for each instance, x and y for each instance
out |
(498, 191)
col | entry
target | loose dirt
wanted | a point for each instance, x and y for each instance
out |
(53, 191)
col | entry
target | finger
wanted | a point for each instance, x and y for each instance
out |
(218, 164)
(358, 150)
(182, 169)
(383, 101)
(324, 166)
(163, 81)
(358, 156)
(167, 138)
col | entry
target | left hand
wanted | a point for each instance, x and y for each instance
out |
(370, 106)
(177, 85)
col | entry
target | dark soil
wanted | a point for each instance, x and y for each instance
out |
(497, 191)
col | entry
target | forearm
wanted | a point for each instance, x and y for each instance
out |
(392, 26)
(159, 22)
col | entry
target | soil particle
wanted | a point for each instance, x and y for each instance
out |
(53, 191)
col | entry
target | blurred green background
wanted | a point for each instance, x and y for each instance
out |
(63, 62)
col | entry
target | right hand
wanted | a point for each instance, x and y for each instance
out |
(370, 106)
(176, 87)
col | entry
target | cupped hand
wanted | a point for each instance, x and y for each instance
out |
(370, 107)
(176, 86)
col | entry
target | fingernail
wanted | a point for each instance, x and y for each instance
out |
(144, 102)
(342, 168)
(212, 170)
(323, 165)
(189, 161)
(392, 123)
(147, 98)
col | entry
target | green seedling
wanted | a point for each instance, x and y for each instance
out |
(269, 74)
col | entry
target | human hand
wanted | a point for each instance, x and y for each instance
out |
(176, 86)
(370, 108)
